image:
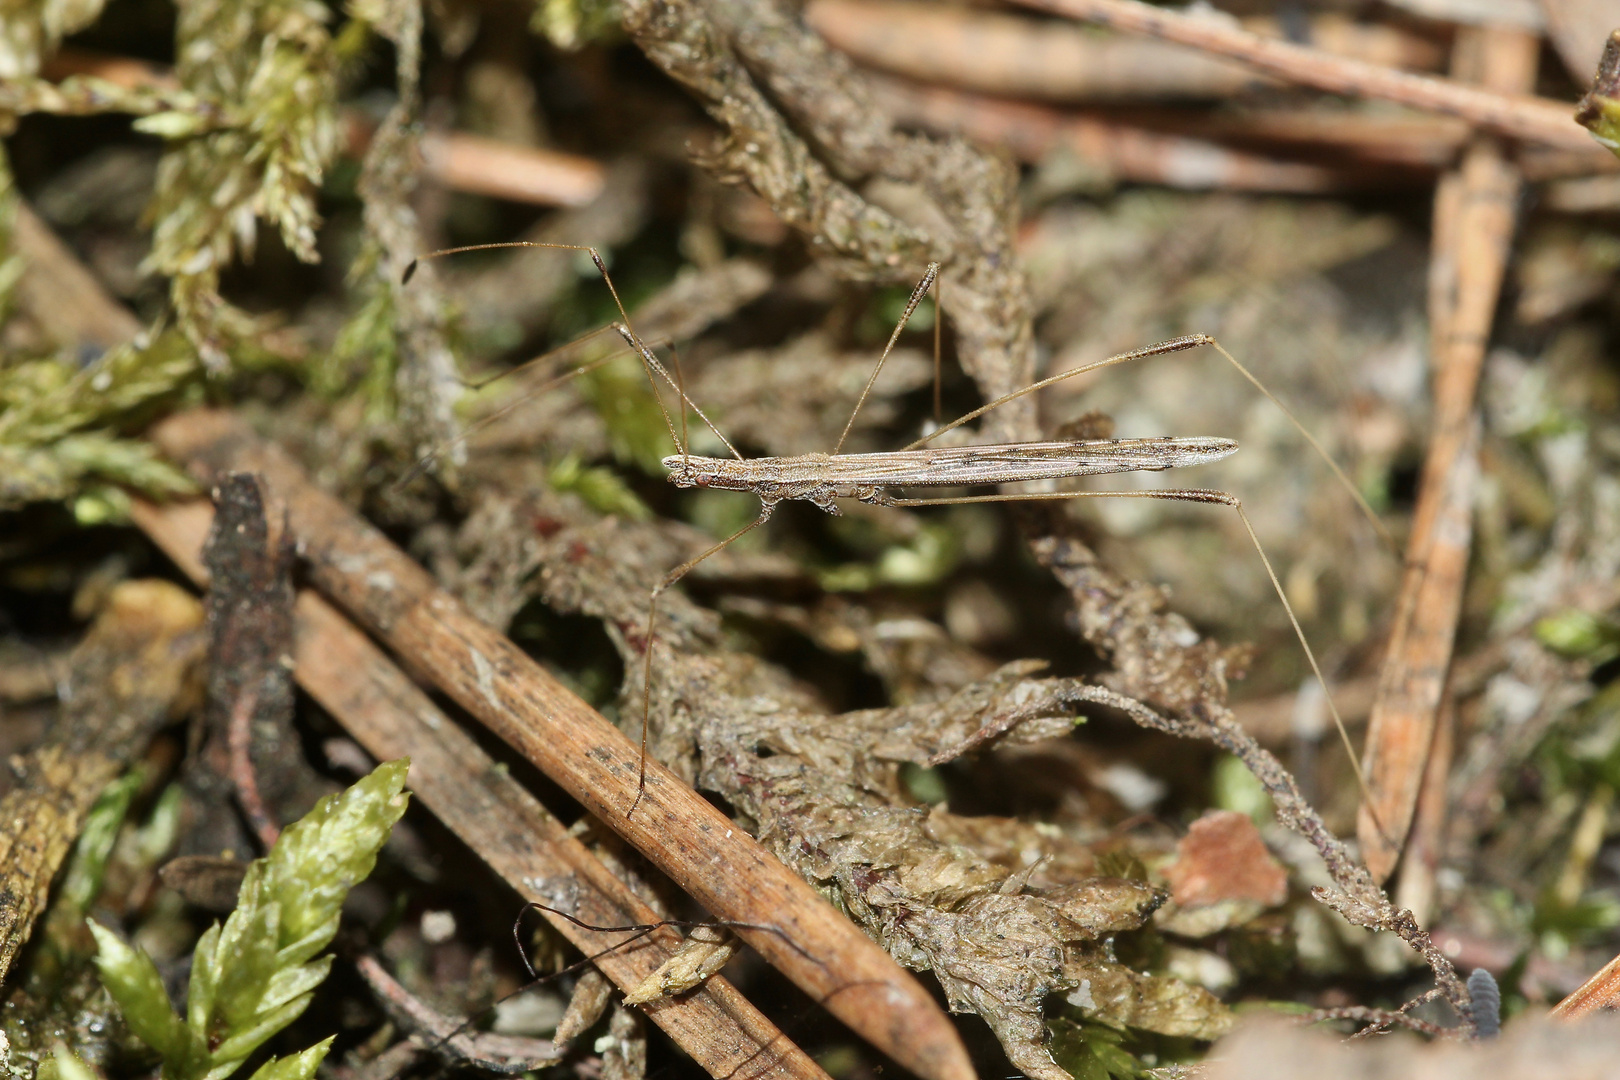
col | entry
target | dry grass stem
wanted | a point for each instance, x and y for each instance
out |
(1475, 212)
(1017, 56)
(1119, 149)
(1514, 115)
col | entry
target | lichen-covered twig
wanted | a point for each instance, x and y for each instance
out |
(744, 62)
(1152, 664)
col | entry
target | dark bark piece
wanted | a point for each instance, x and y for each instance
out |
(251, 749)
(130, 675)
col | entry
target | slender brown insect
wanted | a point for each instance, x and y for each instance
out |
(822, 479)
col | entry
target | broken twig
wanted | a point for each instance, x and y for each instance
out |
(1515, 115)
(590, 758)
(497, 817)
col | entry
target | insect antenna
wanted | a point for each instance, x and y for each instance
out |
(685, 445)
(663, 586)
(426, 461)
(641, 930)
(939, 322)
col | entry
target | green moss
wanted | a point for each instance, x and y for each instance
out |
(266, 77)
(258, 972)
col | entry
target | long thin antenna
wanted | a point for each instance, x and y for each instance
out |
(939, 321)
(685, 445)
(623, 327)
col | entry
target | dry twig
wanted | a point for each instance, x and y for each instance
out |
(1119, 149)
(589, 758)
(1514, 115)
(390, 716)
(1475, 211)
(1017, 56)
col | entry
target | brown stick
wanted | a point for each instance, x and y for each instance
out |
(1127, 152)
(717, 863)
(1418, 888)
(508, 828)
(1601, 991)
(1018, 56)
(528, 174)
(61, 295)
(1475, 210)
(1516, 115)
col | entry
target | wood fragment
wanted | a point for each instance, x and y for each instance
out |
(625, 1057)
(1513, 114)
(683, 834)
(1016, 56)
(129, 675)
(1600, 992)
(592, 995)
(508, 1055)
(1475, 212)
(251, 741)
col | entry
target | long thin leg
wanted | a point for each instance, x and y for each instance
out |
(917, 295)
(1174, 345)
(1198, 495)
(669, 579)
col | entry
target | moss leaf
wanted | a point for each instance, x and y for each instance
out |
(133, 981)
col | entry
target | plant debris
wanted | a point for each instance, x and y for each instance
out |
(936, 728)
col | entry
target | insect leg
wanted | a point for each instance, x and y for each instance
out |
(1174, 345)
(668, 580)
(1197, 495)
(917, 295)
